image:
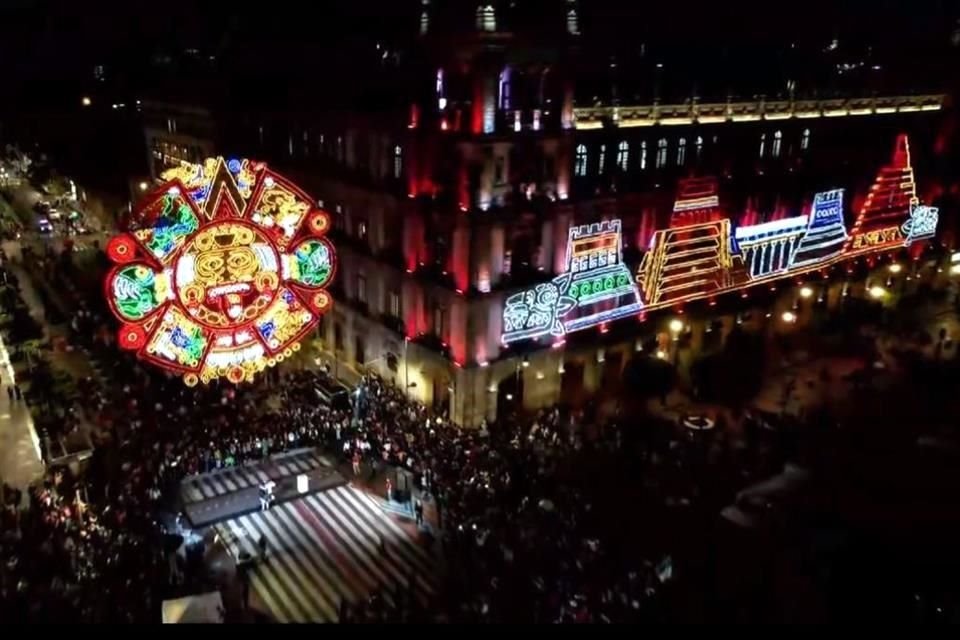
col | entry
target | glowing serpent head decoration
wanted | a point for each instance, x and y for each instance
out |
(221, 272)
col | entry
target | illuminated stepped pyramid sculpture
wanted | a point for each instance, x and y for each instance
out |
(825, 234)
(767, 248)
(698, 201)
(688, 262)
(888, 205)
(600, 282)
(692, 258)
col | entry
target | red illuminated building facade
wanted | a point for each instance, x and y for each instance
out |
(462, 190)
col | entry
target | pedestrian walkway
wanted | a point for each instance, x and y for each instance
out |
(332, 547)
(20, 460)
(228, 480)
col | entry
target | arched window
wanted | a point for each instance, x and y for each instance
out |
(763, 144)
(603, 159)
(424, 23)
(397, 161)
(580, 164)
(486, 18)
(805, 140)
(623, 155)
(661, 152)
(682, 152)
(699, 146)
(643, 155)
(777, 139)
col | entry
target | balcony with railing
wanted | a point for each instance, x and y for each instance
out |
(717, 112)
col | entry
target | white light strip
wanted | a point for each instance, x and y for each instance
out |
(773, 226)
(696, 203)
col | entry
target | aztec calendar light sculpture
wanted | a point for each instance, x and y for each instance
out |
(221, 272)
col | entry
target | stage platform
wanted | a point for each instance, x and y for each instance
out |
(221, 495)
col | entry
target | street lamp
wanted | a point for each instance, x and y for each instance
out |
(86, 101)
(789, 317)
(806, 292)
(676, 325)
(877, 292)
(143, 186)
(895, 268)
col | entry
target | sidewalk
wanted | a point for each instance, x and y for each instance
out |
(70, 362)
(20, 461)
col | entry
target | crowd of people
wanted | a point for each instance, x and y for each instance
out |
(516, 522)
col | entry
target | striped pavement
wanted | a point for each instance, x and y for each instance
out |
(224, 481)
(323, 549)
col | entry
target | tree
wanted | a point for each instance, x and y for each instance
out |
(645, 377)
(734, 375)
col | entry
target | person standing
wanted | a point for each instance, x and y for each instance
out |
(262, 545)
(356, 463)
(418, 511)
(389, 490)
(16, 390)
(10, 393)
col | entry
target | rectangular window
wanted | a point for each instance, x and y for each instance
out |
(623, 155)
(362, 230)
(393, 304)
(362, 288)
(439, 321)
(361, 351)
(580, 161)
(603, 159)
(661, 152)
